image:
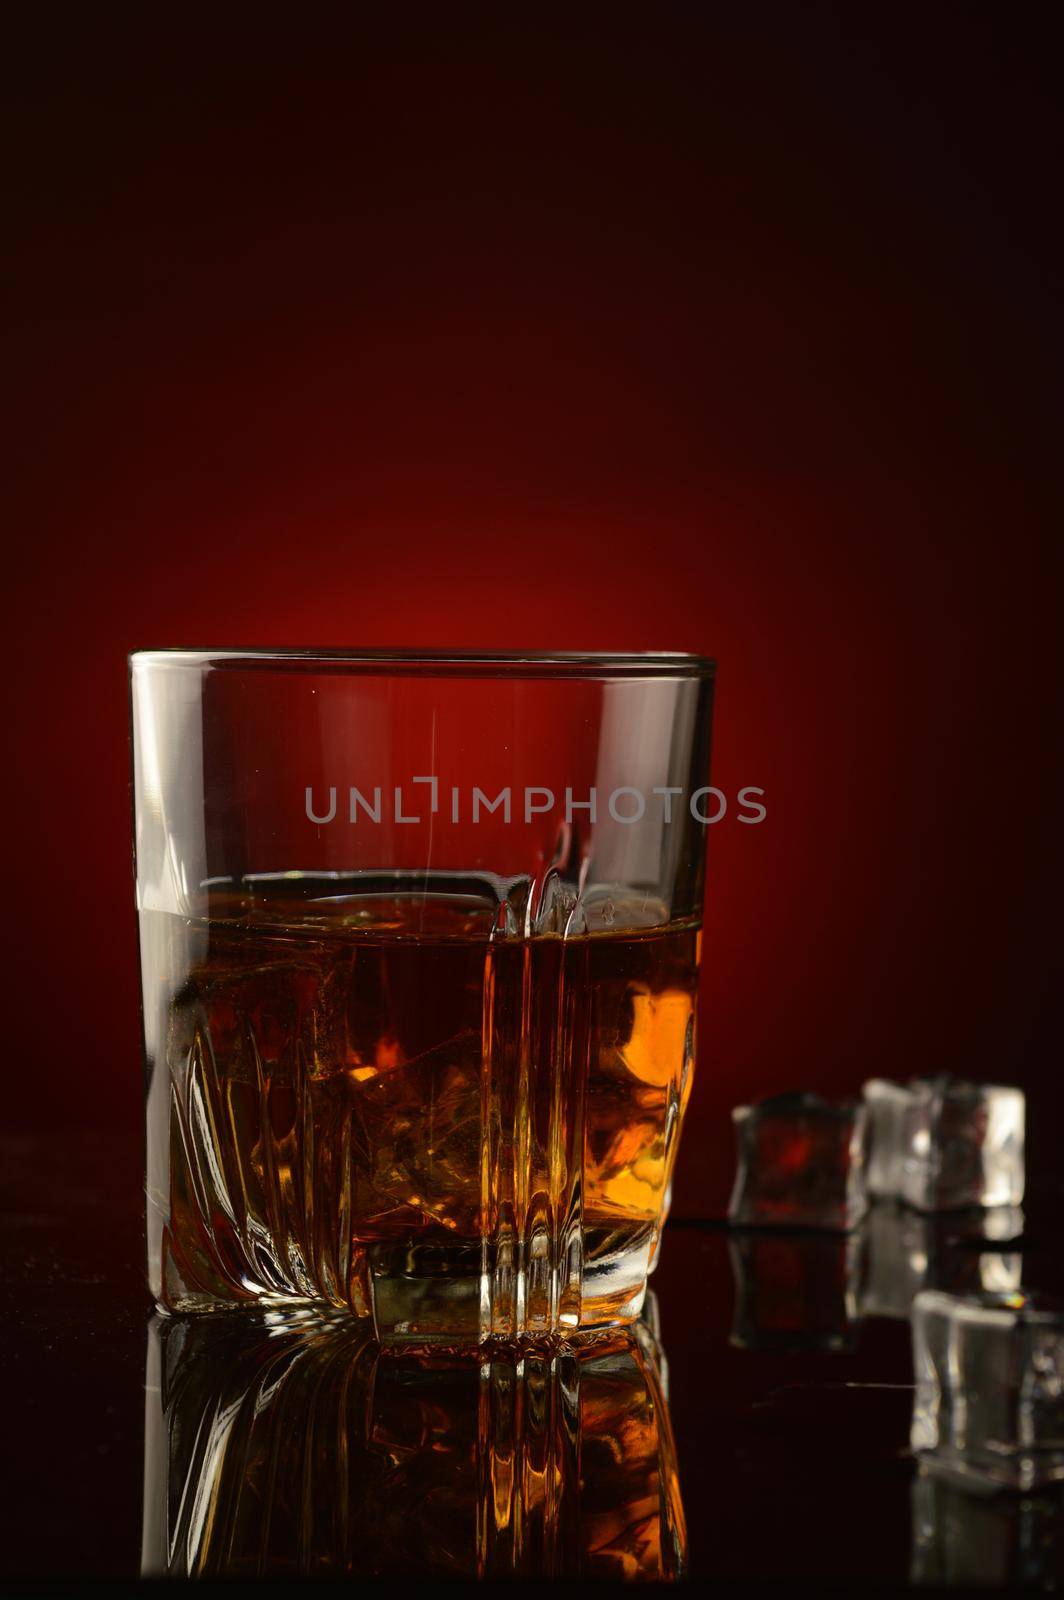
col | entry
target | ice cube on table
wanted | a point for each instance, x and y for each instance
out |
(989, 1402)
(800, 1163)
(938, 1144)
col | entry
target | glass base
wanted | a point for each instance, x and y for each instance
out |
(417, 1294)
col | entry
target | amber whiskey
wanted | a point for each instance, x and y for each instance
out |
(399, 1105)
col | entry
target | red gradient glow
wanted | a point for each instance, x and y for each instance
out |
(405, 352)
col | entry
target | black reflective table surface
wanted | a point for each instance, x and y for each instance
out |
(756, 1428)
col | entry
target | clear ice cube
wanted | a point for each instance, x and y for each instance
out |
(938, 1144)
(800, 1163)
(989, 1403)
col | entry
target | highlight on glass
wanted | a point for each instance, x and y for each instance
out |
(419, 943)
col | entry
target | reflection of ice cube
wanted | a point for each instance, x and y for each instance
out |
(800, 1163)
(972, 1539)
(938, 1144)
(795, 1291)
(906, 1252)
(989, 1404)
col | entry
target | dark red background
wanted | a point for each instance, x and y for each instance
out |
(727, 329)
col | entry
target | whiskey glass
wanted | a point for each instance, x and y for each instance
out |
(419, 941)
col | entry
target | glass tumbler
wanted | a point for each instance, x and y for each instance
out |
(419, 942)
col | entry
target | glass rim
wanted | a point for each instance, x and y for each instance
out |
(451, 663)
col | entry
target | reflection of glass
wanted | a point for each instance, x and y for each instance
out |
(281, 1447)
(795, 1291)
(419, 946)
(976, 1540)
